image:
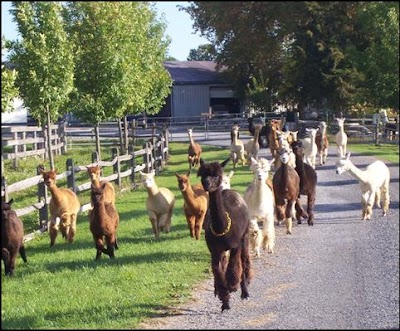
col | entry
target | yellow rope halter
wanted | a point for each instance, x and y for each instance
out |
(225, 231)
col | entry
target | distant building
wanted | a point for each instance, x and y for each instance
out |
(197, 86)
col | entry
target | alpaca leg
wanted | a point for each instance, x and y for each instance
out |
(234, 270)
(13, 261)
(98, 241)
(280, 210)
(246, 272)
(269, 234)
(190, 221)
(22, 252)
(72, 229)
(378, 198)
(198, 226)
(300, 212)
(5, 256)
(310, 208)
(385, 197)
(53, 230)
(289, 215)
(154, 225)
(220, 288)
(110, 241)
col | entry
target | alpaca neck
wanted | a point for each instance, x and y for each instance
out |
(191, 140)
(99, 209)
(55, 193)
(323, 132)
(235, 138)
(217, 211)
(260, 190)
(361, 175)
(153, 190)
(96, 182)
(341, 129)
(189, 197)
(256, 134)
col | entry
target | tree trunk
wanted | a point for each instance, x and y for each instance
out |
(97, 137)
(51, 160)
(126, 135)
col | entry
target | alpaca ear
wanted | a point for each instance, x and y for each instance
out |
(253, 160)
(188, 173)
(348, 156)
(202, 161)
(223, 164)
(10, 202)
(231, 173)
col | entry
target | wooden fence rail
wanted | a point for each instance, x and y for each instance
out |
(153, 155)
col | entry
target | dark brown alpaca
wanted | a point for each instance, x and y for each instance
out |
(308, 183)
(286, 183)
(226, 234)
(12, 238)
(104, 220)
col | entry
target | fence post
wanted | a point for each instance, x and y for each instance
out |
(131, 151)
(4, 188)
(62, 136)
(133, 127)
(166, 144)
(15, 161)
(117, 165)
(95, 157)
(42, 193)
(71, 178)
(146, 157)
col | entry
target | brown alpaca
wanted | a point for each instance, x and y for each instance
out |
(194, 150)
(195, 205)
(12, 237)
(275, 126)
(159, 203)
(286, 184)
(308, 184)
(252, 147)
(322, 143)
(109, 191)
(104, 220)
(226, 234)
(64, 209)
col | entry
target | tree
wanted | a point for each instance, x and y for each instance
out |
(8, 89)
(118, 62)
(204, 52)
(44, 61)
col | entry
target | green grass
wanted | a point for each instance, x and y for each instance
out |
(65, 288)
(384, 152)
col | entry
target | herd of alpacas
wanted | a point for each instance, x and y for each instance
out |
(236, 227)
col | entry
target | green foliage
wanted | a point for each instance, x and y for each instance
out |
(8, 89)
(43, 58)
(204, 52)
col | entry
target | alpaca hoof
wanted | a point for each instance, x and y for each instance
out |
(299, 221)
(288, 232)
(225, 306)
(310, 222)
(245, 296)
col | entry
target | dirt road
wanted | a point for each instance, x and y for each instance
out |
(341, 273)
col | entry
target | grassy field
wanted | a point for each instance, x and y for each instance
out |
(65, 288)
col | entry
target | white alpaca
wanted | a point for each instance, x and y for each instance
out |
(255, 237)
(260, 201)
(310, 147)
(226, 180)
(341, 138)
(374, 183)
(284, 141)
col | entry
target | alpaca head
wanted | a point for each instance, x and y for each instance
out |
(226, 180)
(260, 168)
(190, 132)
(183, 181)
(211, 174)
(49, 177)
(312, 132)
(148, 178)
(284, 155)
(97, 193)
(298, 148)
(340, 121)
(94, 172)
(5, 209)
(343, 165)
(253, 228)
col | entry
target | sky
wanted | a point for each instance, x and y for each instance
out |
(179, 28)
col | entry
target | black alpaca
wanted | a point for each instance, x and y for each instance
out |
(308, 184)
(226, 234)
(263, 139)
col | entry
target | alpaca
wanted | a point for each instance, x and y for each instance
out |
(374, 183)
(64, 208)
(308, 184)
(195, 205)
(227, 230)
(194, 150)
(284, 139)
(263, 135)
(104, 220)
(226, 180)
(237, 147)
(159, 203)
(275, 125)
(109, 191)
(341, 138)
(12, 238)
(255, 237)
(322, 142)
(286, 183)
(260, 201)
(310, 147)
(252, 147)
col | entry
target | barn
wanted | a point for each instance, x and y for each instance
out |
(197, 87)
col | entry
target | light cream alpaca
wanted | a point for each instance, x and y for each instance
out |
(260, 201)
(226, 180)
(341, 138)
(322, 143)
(252, 147)
(237, 148)
(374, 184)
(255, 237)
(284, 139)
(159, 203)
(310, 147)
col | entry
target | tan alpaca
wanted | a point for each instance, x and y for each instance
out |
(64, 207)
(159, 203)
(194, 150)
(252, 147)
(237, 148)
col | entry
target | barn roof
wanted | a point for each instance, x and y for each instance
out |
(194, 72)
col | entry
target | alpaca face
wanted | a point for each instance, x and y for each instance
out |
(298, 149)
(147, 179)
(94, 172)
(226, 180)
(5, 209)
(260, 168)
(97, 193)
(183, 182)
(211, 175)
(284, 155)
(343, 165)
(49, 177)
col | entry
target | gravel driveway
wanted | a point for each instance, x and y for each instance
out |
(341, 273)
